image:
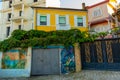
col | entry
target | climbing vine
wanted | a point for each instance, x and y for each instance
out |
(24, 39)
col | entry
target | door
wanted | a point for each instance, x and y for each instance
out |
(45, 61)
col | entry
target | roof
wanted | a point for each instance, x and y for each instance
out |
(58, 8)
(105, 1)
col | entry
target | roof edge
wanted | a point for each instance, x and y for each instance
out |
(88, 7)
(59, 8)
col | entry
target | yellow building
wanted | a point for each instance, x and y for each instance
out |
(51, 19)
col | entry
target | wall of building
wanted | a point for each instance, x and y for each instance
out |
(53, 22)
(104, 11)
(28, 14)
(101, 27)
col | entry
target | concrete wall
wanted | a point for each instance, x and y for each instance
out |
(10, 69)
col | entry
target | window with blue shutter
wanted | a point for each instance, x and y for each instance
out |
(62, 20)
(43, 20)
(79, 21)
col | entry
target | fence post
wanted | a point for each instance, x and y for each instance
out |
(29, 61)
(77, 57)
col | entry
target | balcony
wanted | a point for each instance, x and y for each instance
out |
(18, 19)
(39, 3)
(63, 27)
(5, 10)
(18, 4)
(8, 22)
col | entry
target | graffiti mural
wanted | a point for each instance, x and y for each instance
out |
(14, 59)
(67, 60)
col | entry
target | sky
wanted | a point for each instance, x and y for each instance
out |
(78, 5)
(73, 4)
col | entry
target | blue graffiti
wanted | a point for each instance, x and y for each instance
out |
(67, 60)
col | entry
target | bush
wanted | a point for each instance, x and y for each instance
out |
(24, 39)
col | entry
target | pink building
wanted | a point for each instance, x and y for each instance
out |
(100, 16)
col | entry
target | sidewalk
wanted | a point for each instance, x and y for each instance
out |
(83, 75)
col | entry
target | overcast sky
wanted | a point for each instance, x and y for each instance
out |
(73, 4)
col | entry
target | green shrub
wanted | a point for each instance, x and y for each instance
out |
(24, 39)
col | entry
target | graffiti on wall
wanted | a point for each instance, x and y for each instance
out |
(14, 59)
(67, 60)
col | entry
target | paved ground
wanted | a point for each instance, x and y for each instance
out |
(83, 75)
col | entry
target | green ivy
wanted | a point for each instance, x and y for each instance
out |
(24, 39)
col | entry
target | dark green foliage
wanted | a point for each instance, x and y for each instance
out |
(102, 34)
(9, 44)
(24, 39)
(18, 34)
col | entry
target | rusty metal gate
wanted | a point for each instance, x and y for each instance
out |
(45, 61)
(101, 54)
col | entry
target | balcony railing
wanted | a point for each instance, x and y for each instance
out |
(38, 3)
(18, 4)
(19, 18)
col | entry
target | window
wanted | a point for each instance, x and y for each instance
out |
(10, 2)
(97, 12)
(8, 31)
(20, 13)
(9, 16)
(62, 20)
(35, 0)
(79, 21)
(43, 20)
(19, 27)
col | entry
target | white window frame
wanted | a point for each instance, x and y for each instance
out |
(43, 22)
(47, 19)
(64, 22)
(79, 22)
(76, 21)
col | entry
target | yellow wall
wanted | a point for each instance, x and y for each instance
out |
(53, 13)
